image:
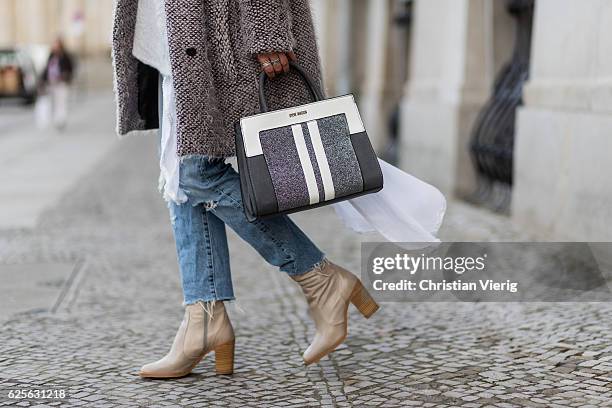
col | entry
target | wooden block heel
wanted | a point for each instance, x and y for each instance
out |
(362, 300)
(224, 358)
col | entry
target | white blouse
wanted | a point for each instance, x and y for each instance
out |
(151, 37)
(151, 47)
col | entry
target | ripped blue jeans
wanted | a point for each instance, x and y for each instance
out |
(214, 201)
(212, 188)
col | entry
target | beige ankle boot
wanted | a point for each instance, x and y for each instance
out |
(329, 289)
(205, 328)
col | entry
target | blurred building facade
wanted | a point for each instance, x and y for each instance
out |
(466, 65)
(84, 24)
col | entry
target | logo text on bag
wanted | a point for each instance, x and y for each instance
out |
(299, 113)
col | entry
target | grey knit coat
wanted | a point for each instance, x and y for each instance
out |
(213, 46)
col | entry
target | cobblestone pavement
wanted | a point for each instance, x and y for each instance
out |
(124, 304)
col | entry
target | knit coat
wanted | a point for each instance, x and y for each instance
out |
(213, 46)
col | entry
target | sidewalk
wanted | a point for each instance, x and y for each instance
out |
(118, 305)
(38, 167)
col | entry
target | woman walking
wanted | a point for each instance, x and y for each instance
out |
(56, 78)
(200, 60)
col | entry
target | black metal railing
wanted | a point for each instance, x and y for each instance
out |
(402, 20)
(492, 141)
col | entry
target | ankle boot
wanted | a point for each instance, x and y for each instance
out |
(205, 328)
(329, 289)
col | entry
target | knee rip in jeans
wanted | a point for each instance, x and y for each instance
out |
(210, 205)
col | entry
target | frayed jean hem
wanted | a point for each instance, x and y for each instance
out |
(207, 300)
(302, 271)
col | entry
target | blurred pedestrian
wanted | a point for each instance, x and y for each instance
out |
(56, 79)
(206, 56)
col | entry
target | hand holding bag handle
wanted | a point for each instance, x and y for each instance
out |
(315, 92)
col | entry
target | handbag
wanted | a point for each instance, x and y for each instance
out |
(305, 156)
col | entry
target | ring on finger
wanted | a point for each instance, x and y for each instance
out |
(276, 61)
(266, 64)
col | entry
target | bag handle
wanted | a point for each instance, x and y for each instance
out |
(315, 92)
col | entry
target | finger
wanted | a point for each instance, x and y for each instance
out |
(284, 62)
(292, 56)
(263, 58)
(269, 71)
(266, 65)
(276, 63)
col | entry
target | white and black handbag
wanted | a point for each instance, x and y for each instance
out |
(303, 157)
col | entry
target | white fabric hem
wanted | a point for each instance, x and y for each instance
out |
(169, 163)
(406, 210)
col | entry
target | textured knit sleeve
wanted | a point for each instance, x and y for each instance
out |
(266, 26)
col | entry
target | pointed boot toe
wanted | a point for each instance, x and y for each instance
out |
(322, 346)
(148, 370)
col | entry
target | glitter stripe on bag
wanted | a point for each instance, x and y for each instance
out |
(311, 182)
(326, 177)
